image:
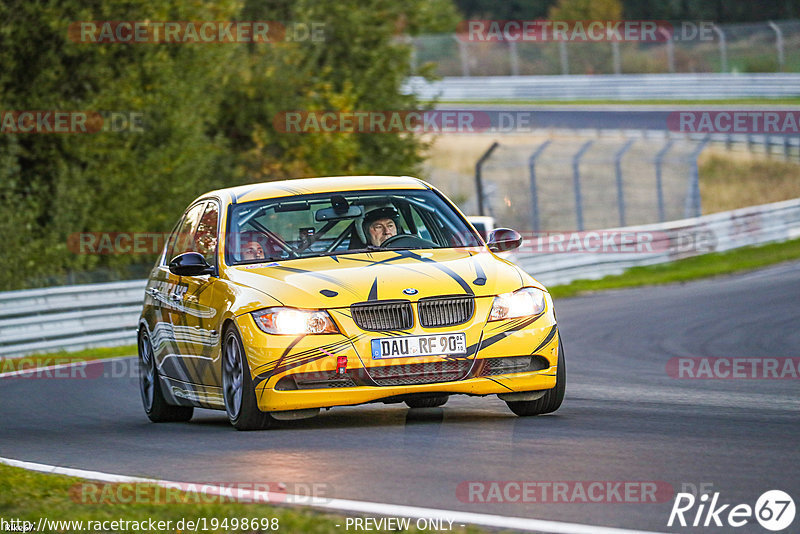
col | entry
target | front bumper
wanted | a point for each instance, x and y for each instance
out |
(272, 400)
(276, 361)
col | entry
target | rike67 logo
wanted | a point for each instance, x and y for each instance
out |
(774, 510)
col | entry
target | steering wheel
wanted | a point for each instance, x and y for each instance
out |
(407, 241)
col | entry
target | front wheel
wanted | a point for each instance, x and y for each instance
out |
(551, 400)
(237, 387)
(155, 405)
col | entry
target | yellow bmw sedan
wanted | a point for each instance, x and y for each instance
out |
(271, 301)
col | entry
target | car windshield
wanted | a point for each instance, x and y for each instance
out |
(343, 223)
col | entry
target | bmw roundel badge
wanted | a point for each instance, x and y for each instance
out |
(410, 291)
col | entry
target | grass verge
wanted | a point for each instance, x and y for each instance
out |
(29, 496)
(705, 266)
(731, 180)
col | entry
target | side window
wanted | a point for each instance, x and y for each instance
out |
(205, 237)
(182, 239)
(422, 228)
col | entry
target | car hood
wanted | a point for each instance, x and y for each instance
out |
(339, 281)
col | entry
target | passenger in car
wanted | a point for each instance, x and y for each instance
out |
(252, 250)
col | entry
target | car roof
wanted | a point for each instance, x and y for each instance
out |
(304, 186)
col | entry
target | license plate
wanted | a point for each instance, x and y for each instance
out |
(407, 346)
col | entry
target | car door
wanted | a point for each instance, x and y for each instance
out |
(169, 291)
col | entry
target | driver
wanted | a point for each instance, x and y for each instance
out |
(380, 224)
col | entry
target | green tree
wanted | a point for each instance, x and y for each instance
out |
(208, 115)
(508, 10)
(55, 185)
(360, 65)
(586, 10)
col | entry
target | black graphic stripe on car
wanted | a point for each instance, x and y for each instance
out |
(448, 271)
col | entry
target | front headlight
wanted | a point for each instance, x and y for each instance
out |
(292, 321)
(521, 303)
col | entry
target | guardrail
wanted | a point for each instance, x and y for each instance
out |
(83, 316)
(69, 317)
(607, 87)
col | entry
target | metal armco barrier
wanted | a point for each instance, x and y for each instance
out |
(690, 87)
(77, 317)
(69, 317)
(673, 240)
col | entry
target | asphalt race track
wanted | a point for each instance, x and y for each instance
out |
(624, 418)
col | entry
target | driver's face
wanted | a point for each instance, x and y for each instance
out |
(381, 230)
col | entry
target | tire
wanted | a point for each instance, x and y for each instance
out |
(237, 387)
(552, 399)
(428, 402)
(155, 405)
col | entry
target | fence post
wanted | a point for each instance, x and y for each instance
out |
(670, 49)
(723, 49)
(562, 54)
(462, 54)
(659, 190)
(618, 169)
(778, 44)
(616, 58)
(532, 174)
(513, 57)
(413, 55)
(479, 178)
(576, 181)
(692, 207)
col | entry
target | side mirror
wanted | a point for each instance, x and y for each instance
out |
(504, 239)
(190, 264)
